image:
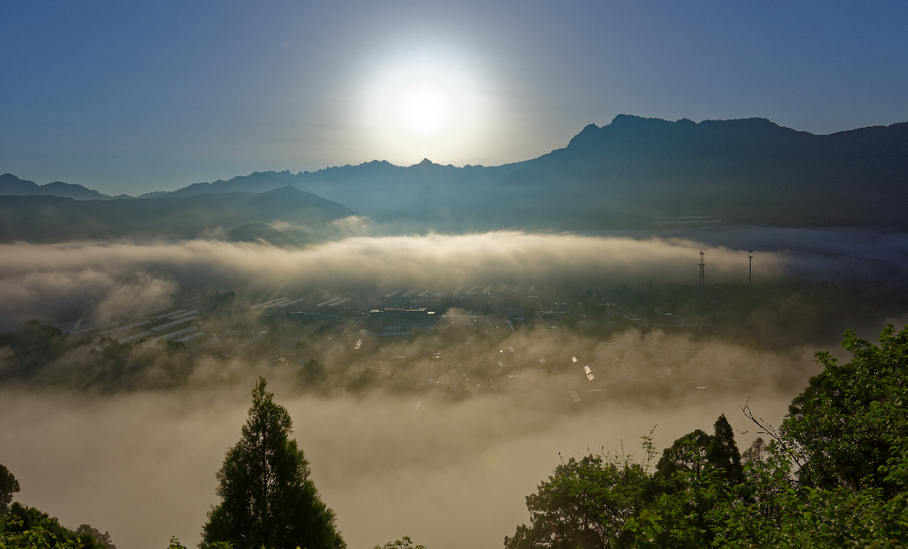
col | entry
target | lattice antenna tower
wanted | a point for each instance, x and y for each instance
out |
(701, 282)
(750, 267)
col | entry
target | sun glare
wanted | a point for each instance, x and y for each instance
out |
(425, 105)
(424, 109)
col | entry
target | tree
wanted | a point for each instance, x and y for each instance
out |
(8, 486)
(29, 528)
(834, 475)
(267, 498)
(583, 505)
(100, 539)
(723, 453)
(687, 454)
(784, 516)
(403, 543)
(313, 372)
(843, 426)
(693, 478)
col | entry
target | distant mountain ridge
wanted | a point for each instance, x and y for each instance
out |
(423, 192)
(632, 173)
(12, 185)
(378, 187)
(636, 172)
(55, 219)
(256, 182)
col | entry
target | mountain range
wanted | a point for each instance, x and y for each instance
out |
(636, 172)
(632, 173)
(12, 185)
(54, 219)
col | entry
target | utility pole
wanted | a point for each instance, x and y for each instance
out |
(750, 267)
(701, 282)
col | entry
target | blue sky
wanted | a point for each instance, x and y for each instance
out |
(128, 97)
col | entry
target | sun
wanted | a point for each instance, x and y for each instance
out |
(424, 103)
(424, 109)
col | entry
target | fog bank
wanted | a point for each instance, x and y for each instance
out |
(450, 475)
(63, 281)
(400, 456)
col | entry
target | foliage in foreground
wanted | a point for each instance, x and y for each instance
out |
(834, 475)
(403, 543)
(8, 486)
(267, 498)
(27, 527)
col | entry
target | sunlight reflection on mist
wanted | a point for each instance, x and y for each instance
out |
(46, 281)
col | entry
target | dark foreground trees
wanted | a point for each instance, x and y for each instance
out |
(583, 505)
(25, 527)
(835, 474)
(843, 426)
(8, 486)
(267, 498)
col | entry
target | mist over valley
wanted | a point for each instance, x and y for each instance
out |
(441, 336)
(453, 275)
(539, 344)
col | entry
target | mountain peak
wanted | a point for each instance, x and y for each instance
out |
(12, 185)
(626, 126)
(631, 119)
(286, 190)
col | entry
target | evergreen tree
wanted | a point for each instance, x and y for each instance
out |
(267, 497)
(8, 486)
(722, 452)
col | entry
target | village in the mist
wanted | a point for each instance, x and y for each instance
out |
(432, 379)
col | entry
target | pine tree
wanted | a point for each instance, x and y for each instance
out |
(723, 452)
(8, 486)
(267, 498)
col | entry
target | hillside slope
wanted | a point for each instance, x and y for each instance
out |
(636, 172)
(55, 219)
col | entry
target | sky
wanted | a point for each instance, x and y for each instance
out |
(130, 97)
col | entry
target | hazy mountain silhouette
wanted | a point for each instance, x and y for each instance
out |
(12, 185)
(256, 182)
(55, 219)
(636, 172)
(632, 173)
(424, 193)
(644, 173)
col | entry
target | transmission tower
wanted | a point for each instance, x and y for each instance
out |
(750, 267)
(701, 282)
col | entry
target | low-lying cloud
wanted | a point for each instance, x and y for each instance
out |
(451, 472)
(56, 281)
(102, 279)
(450, 475)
